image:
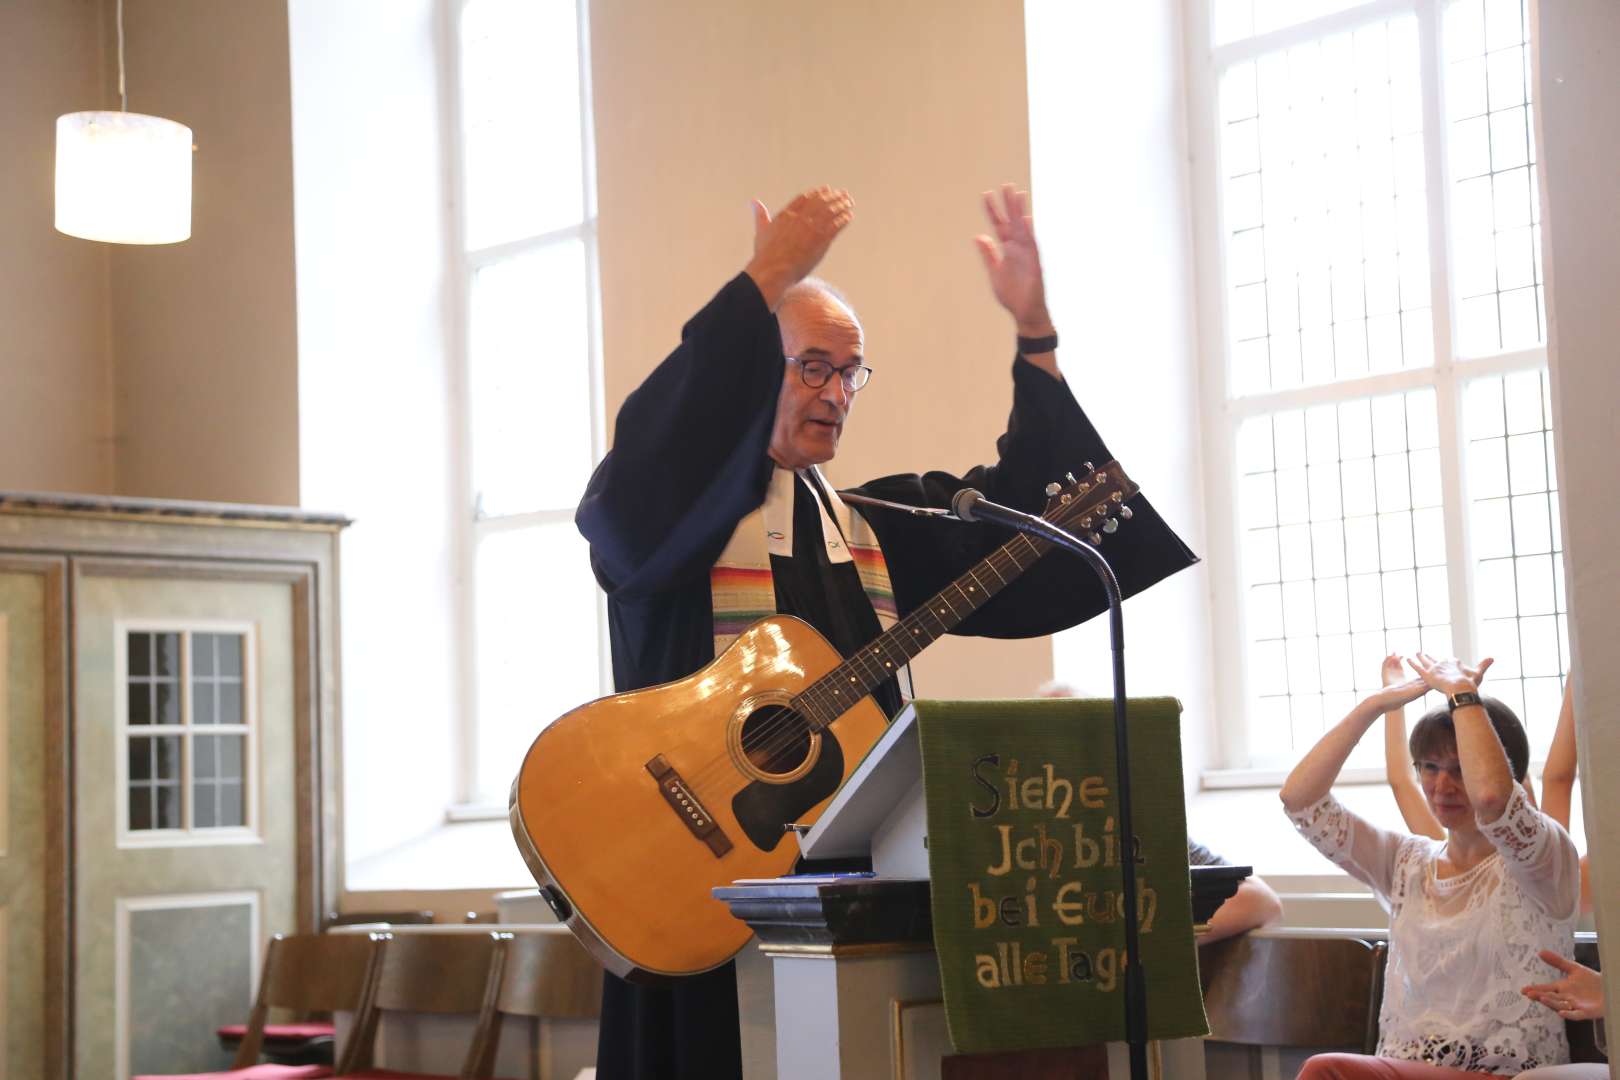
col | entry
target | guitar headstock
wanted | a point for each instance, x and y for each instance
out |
(1093, 504)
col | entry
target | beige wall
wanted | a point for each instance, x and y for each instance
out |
(915, 106)
(167, 371)
(1579, 140)
(55, 390)
(204, 332)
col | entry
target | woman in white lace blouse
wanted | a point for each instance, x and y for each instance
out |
(1468, 914)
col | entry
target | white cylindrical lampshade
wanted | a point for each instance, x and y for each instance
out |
(123, 178)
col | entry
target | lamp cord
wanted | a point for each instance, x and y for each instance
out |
(123, 97)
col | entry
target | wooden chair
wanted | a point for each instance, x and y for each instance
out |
(443, 974)
(548, 975)
(306, 974)
(1316, 993)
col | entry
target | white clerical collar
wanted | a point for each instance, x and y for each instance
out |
(779, 513)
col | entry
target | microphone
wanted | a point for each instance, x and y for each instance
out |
(969, 504)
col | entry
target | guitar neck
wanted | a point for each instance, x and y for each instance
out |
(830, 696)
(1088, 503)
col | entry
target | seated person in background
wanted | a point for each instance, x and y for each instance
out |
(1467, 914)
(1577, 996)
(1558, 778)
(1253, 905)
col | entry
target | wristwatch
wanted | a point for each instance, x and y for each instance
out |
(1466, 697)
(1031, 346)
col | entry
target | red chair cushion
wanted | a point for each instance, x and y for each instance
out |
(253, 1072)
(273, 1033)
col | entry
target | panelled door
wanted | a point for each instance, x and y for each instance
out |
(185, 812)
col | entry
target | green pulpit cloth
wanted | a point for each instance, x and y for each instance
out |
(1024, 856)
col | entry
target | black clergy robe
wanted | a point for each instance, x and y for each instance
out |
(689, 461)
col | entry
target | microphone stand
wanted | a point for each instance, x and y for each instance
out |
(1135, 983)
(976, 508)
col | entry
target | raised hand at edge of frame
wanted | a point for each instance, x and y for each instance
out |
(1577, 996)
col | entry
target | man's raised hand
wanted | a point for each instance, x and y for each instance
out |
(1013, 261)
(788, 246)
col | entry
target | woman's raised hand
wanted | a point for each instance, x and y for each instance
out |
(1394, 695)
(1392, 670)
(1449, 676)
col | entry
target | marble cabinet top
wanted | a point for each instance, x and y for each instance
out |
(175, 510)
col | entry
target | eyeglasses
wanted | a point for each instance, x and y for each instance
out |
(815, 373)
(1435, 768)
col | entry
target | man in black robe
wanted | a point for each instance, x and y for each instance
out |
(765, 376)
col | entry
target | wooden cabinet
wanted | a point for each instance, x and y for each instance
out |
(169, 763)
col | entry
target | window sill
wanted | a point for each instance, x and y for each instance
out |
(458, 813)
(1272, 779)
(474, 853)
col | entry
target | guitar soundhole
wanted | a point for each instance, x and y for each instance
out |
(775, 739)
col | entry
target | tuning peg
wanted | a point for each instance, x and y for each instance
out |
(1094, 538)
(1069, 476)
(1089, 467)
(1085, 522)
(1053, 488)
(1125, 512)
(1111, 525)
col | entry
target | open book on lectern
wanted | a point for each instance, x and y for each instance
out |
(880, 809)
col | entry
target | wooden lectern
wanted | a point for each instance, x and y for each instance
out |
(843, 981)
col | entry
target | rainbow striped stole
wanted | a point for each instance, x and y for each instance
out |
(740, 583)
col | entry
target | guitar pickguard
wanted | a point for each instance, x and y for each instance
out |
(764, 809)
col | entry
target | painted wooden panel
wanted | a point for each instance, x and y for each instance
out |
(185, 966)
(22, 822)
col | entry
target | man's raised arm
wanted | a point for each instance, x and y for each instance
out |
(689, 446)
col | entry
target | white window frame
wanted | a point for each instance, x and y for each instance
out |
(473, 526)
(1225, 412)
(252, 799)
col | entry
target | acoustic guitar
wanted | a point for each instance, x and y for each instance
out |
(629, 810)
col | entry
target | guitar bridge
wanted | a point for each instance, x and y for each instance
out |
(693, 814)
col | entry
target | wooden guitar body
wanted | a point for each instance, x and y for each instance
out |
(633, 807)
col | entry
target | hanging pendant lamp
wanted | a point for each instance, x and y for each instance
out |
(123, 177)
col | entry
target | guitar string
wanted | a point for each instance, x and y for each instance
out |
(787, 727)
(782, 730)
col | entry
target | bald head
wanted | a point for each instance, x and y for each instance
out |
(814, 289)
(818, 325)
